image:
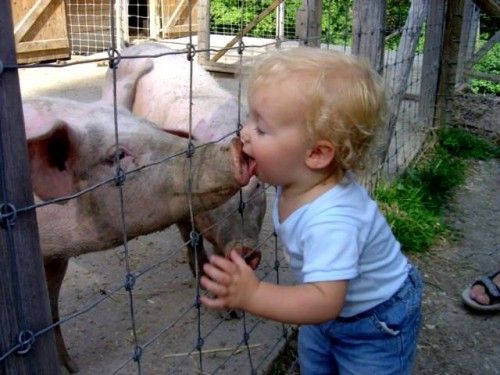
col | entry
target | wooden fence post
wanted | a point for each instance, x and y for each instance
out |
(308, 23)
(450, 52)
(24, 302)
(203, 31)
(368, 42)
(368, 26)
(470, 26)
(431, 60)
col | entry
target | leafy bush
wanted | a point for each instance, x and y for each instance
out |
(490, 63)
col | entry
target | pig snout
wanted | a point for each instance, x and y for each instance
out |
(244, 167)
(251, 256)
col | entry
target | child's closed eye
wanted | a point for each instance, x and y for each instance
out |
(259, 131)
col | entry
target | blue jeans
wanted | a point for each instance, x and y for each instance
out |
(380, 341)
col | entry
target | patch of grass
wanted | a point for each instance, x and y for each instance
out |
(414, 203)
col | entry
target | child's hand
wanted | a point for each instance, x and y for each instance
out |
(232, 281)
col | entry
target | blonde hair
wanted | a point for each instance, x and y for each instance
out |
(345, 97)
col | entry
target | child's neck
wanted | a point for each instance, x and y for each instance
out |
(296, 195)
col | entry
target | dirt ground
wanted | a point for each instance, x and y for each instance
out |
(454, 340)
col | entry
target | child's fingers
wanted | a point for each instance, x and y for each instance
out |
(213, 303)
(216, 274)
(238, 259)
(222, 263)
(212, 286)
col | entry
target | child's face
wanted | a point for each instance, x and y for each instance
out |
(274, 134)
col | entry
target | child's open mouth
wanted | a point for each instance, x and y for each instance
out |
(252, 165)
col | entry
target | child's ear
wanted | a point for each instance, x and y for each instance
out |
(320, 155)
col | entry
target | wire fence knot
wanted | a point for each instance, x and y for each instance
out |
(120, 176)
(194, 239)
(190, 150)
(25, 339)
(276, 265)
(241, 207)
(8, 215)
(241, 47)
(200, 343)
(137, 353)
(191, 51)
(129, 282)
(114, 58)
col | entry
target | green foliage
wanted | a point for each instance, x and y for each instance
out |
(458, 142)
(413, 204)
(336, 23)
(490, 63)
(413, 224)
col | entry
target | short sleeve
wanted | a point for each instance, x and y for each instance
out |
(331, 250)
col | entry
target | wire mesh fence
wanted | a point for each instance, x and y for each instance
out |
(124, 314)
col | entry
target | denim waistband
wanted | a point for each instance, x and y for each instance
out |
(413, 278)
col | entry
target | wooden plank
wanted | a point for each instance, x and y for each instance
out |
(24, 300)
(247, 28)
(50, 24)
(486, 47)
(482, 75)
(490, 7)
(42, 45)
(431, 61)
(368, 31)
(221, 67)
(203, 31)
(308, 23)
(447, 77)
(405, 56)
(174, 17)
(25, 25)
(173, 30)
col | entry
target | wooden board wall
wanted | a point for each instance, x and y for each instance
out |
(175, 18)
(40, 30)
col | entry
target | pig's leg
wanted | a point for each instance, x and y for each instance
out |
(55, 269)
(192, 252)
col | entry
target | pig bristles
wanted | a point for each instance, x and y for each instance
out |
(236, 350)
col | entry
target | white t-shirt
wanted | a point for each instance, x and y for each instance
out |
(342, 235)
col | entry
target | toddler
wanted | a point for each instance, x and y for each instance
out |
(312, 115)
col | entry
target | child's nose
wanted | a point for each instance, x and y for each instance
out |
(244, 134)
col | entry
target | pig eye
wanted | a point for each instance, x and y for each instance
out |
(120, 154)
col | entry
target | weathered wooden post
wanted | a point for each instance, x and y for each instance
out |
(24, 301)
(203, 31)
(450, 52)
(470, 25)
(431, 60)
(368, 42)
(368, 26)
(308, 23)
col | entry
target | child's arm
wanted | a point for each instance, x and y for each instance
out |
(236, 286)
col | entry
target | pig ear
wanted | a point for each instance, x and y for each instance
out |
(52, 153)
(128, 74)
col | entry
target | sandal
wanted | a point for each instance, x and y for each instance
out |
(491, 289)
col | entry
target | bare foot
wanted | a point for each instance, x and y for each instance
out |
(478, 293)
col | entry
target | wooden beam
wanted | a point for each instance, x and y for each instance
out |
(24, 299)
(247, 28)
(482, 75)
(486, 47)
(490, 7)
(40, 45)
(25, 25)
(176, 15)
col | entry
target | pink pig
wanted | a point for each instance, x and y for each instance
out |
(157, 88)
(71, 147)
